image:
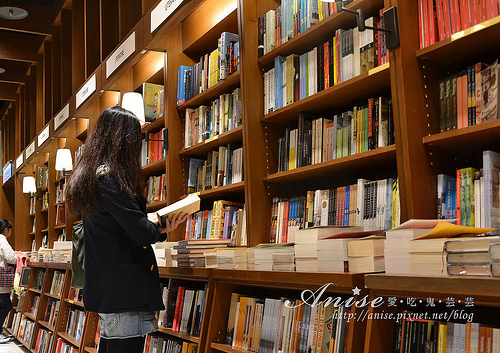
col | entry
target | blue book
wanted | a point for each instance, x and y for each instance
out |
(278, 81)
(181, 83)
(302, 76)
(450, 210)
(346, 210)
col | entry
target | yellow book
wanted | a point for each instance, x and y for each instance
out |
(240, 324)
(320, 10)
(442, 338)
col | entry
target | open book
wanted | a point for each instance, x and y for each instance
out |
(189, 204)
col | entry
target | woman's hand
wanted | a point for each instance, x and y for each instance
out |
(172, 223)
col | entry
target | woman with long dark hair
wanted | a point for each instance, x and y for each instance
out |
(121, 280)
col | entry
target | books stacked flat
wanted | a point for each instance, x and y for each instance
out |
(471, 256)
(163, 253)
(366, 254)
(396, 253)
(232, 258)
(494, 252)
(427, 257)
(191, 253)
(284, 261)
(250, 258)
(306, 246)
(264, 255)
(210, 259)
(332, 251)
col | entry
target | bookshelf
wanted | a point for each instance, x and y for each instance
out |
(419, 154)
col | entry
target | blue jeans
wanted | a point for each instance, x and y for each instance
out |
(127, 324)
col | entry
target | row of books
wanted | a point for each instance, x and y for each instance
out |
(221, 167)
(295, 77)
(156, 344)
(154, 97)
(78, 153)
(156, 189)
(471, 196)
(16, 322)
(42, 177)
(218, 223)
(61, 190)
(26, 328)
(45, 200)
(75, 294)
(184, 308)
(34, 304)
(51, 311)
(44, 341)
(473, 256)
(154, 147)
(439, 19)
(469, 97)
(319, 139)
(206, 122)
(372, 205)
(211, 69)
(57, 283)
(32, 204)
(290, 19)
(263, 325)
(76, 320)
(420, 335)
(65, 347)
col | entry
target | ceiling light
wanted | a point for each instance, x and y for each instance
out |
(12, 13)
(2, 70)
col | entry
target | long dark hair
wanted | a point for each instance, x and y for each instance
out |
(115, 142)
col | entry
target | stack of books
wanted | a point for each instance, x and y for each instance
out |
(306, 247)
(396, 253)
(163, 253)
(471, 256)
(250, 258)
(191, 253)
(332, 251)
(366, 254)
(263, 254)
(284, 261)
(426, 257)
(232, 258)
(495, 259)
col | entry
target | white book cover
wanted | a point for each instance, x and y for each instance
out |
(189, 205)
(491, 169)
(360, 202)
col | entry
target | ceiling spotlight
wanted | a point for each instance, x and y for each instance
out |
(12, 13)
(2, 70)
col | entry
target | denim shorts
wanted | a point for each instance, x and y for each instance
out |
(127, 324)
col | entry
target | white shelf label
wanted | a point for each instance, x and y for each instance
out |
(30, 150)
(121, 54)
(19, 161)
(86, 91)
(61, 117)
(44, 135)
(162, 11)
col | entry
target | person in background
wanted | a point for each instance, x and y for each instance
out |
(121, 280)
(7, 256)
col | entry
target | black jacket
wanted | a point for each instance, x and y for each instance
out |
(121, 273)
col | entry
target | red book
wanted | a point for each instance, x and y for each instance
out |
(455, 17)
(458, 202)
(147, 344)
(421, 17)
(284, 222)
(483, 10)
(447, 17)
(475, 12)
(178, 309)
(491, 9)
(440, 20)
(464, 14)
(326, 65)
(433, 36)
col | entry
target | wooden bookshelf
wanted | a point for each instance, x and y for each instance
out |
(212, 93)
(154, 167)
(371, 83)
(202, 149)
(180, 335)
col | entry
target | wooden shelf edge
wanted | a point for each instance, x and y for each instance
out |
(47, 325)
(90, 350)
(213, 92)
(382, 152)
(226, 348)
(151, 207)
(236, 187)
(449, 138)
(155, 125)
(456, 285)
(206, 146)
(74, 302)
(179, 335)
(154, 166)
(69, 338)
